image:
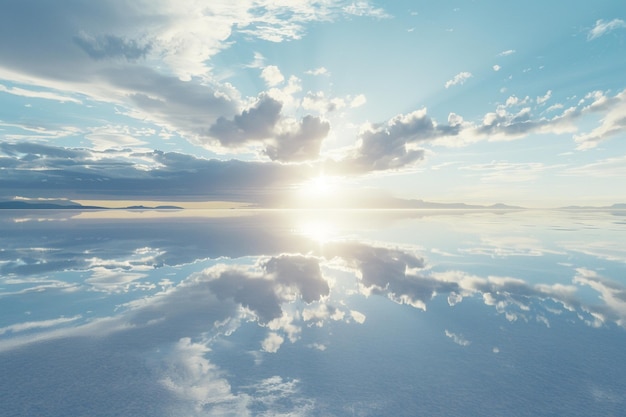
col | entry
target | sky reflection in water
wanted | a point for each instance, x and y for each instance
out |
(312, 313)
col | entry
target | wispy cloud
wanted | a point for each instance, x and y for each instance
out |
(43, 324)
(318, 71)
(457, 338)
(460, 78)
(603, 27)
(47, 95)
(503, 171)
(614, 167)
(507, 52)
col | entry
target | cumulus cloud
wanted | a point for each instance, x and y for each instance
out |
(358, 101)
(390, 145)
(301, 142)
(603, 27)
(272, 75)
(544, 98)
(257, 122)
(272, 342)
(460, 78)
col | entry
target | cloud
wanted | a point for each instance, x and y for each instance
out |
(358, 101)
(33, 170)
(272, 342)
(272, 75)
(318, 71)
(42, 324)
(614, 167)
(542, 99)
(301, 142)
(257, 122)
(612, 124)
(603, 27)
(46, 95)
(363, 8)
(154, 61)
(507, 52)
(457, 338)
(612, 293)
(115, 136)
(190, 377)
(110, 46)
(504, 171)
(283, 139)
(460, 78)
(497, 67)
(389, 146)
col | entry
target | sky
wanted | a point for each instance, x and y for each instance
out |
(273, 103)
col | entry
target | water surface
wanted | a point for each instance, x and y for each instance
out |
(312, 313)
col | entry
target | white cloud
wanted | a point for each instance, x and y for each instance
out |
(542, 99)
(457, 338)
(116, 136)
(192, 378)
(612, 293)
(43, 324)
(318, 71)
(507, 52)
(272, 76)
(272, 342)
(357, 316)
(497, 67)
(613, 123)
(554, 107)
(363, 8)
(602, 28)
(47, 95)
(113, 280)
(358, 101)
(516, 101)
(460, 78)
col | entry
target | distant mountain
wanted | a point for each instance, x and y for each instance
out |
(151, 208)
(69, 205)
(420, 204)
(29, 205)
(617, 206)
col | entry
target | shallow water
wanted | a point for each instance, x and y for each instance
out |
(366, 313)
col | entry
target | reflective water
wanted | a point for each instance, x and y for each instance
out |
(321, 313)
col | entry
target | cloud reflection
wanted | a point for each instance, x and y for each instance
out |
(264, 275)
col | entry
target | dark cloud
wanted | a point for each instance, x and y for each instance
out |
(391, 272)
(392, 145)
(257, 122)
(299, 272)
(110, 46)
(263, 124)
(33, 170)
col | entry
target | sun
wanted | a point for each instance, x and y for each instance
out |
(318, 192)
(320, 185)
